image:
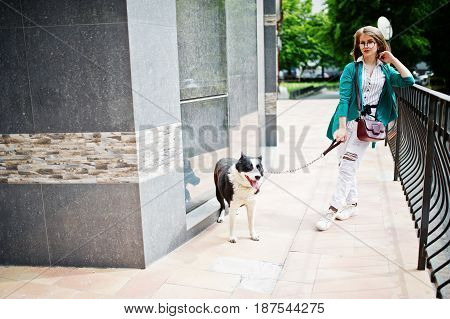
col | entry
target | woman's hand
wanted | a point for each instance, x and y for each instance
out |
(340, 134)
(386, 56)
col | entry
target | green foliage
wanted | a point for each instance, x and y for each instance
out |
(292, 86)
(409, 42)
(421, 29)
(303, 35)
(437, 29)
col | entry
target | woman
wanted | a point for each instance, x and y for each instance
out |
(376, 81)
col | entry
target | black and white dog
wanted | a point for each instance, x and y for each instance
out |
(237, 183)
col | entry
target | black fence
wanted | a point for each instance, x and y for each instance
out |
(419, 142)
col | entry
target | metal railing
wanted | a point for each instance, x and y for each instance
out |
(419, 142)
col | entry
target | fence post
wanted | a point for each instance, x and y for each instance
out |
(427, 183)
(397, 139)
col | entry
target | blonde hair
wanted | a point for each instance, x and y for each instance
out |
(376, 34)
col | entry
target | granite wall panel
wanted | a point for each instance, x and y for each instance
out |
(202, 53)
(154, 63)
(163, 214)
(23, 235)
(10, 14)
(242, 59)
(205, 141)
(80, 78)
(15, 103)
(270, 59)
(69, 12)
(269, 7)
(243, 77)
(95, 225)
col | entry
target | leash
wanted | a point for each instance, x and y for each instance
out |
(294, 170)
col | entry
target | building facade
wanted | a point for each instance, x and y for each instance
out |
(113, 114)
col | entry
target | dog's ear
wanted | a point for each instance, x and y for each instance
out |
(259, 157)
(242, 155)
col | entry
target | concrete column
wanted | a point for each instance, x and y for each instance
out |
(270, 67)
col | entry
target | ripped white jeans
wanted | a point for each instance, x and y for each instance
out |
(350, 155)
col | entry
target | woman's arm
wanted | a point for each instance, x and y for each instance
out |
(403, 70)
(402, 76)
(345, 93)
(342, 122)
(345, 90)
(341, 133)
(388, 57)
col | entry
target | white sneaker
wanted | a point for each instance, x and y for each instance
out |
(347, 212)
(325, 222)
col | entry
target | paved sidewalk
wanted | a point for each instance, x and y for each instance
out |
(373, 255)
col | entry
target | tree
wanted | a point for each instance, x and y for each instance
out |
(303, 36)
(409, 42)
(437, 29)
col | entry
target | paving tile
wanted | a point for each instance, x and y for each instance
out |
(51, 275)
(242, 293)
(387, 251)
(302, 244)
(300, 267)
(328, 261)
(170, 291)
(38, 291)
(22, 272)
(415, 283)
(270, 250)
(205, 279)
(247, 268)
(89, 295)
(331, 251)
(264, 285)
(365, 294)
(8, 286)
(369, 282)
(191, 257)
(146, 282)
(370, 227)
(99, 283)
(294, 290)
(139, 288)
(327, 274)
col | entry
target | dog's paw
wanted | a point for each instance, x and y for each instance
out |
(255, 237)
(233, 240)
(221, 217)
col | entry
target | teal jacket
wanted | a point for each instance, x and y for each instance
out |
(348, 107)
